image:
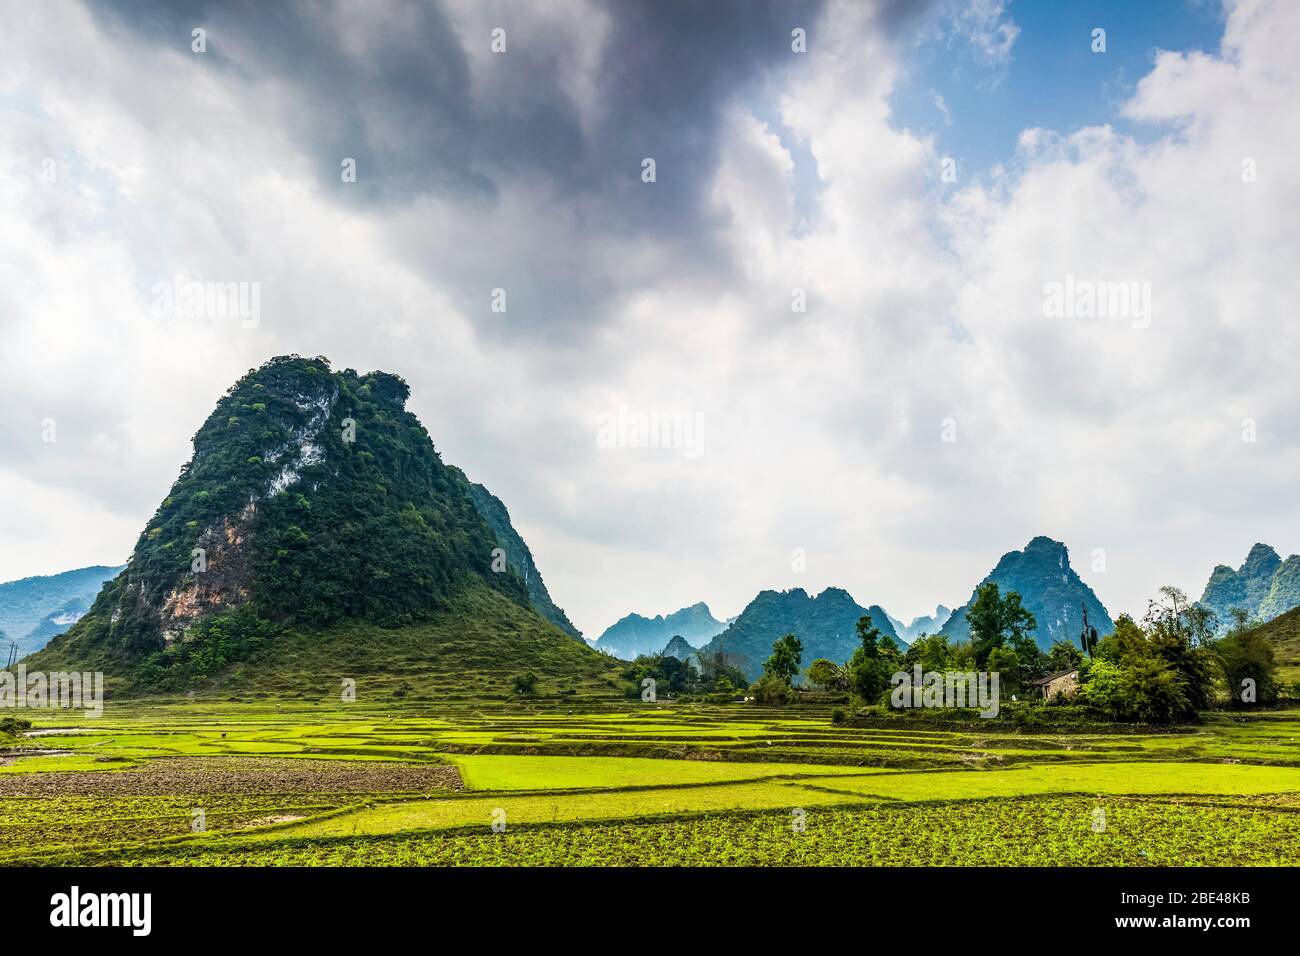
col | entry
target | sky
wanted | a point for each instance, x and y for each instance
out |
(950, 276)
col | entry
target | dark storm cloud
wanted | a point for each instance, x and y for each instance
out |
(667, 68)
(406, 109)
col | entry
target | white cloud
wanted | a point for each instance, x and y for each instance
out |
(987, 28)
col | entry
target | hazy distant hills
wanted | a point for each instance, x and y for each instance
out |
(826, 624)
(635, 635)
(922, 625)
(1049, 587)
(35, 609)
(315, 503)
(1264, 586)
(678, 648)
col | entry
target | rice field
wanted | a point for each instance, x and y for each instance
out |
(257, 783)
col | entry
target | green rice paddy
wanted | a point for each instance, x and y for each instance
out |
(240, 783)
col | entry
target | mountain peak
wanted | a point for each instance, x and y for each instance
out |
(312, 497)
(1265, 586)
(634, 635)
(1048, 587)
(826, 625)
(678, 648)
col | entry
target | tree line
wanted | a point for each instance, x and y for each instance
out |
(1161, 669)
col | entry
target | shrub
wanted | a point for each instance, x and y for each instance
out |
(14, 725)
(525, 684)
(1248, 655)
(770, 690)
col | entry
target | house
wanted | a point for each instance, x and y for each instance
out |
(1065, 683)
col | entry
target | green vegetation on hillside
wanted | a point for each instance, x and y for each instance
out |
(1283, 633)
(825, 624)
(315, 504)
(470, 650)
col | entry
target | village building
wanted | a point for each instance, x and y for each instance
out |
(1065, 683)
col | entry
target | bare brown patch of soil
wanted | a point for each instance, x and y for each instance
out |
(236, 775)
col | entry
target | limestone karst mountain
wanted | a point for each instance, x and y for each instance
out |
(635, 634)
(314, 500)
(1049, 587)
(826, 624)
(1264, 587)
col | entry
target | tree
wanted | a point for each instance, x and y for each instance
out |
(1181, 635)
(716, 666)
(873, 661)
(671, 676)
(1127, 640)
(525, 684)
(787, 652)
(1062, 656)
(1157, 672)
(932, 652)
(1103, 691)
(1247, 655)
(827, 674)
(1005, 662)
(770, 689)
(1154, 692)
(994, 620)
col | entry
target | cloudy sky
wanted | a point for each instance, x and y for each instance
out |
(917, 180)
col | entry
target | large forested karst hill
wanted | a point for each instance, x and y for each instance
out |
(314, 502)
(826, 625)
(1048, 587)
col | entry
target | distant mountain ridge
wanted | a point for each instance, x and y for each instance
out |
(1264, 586)
(34, 609)
(922, 624)
(826, 624)
(1048, 587)
(635, 635)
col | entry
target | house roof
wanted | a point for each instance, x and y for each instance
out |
(1051, 677)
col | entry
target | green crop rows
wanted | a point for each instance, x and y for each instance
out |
(303, 784)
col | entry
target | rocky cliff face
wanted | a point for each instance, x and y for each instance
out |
(1048, 587)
